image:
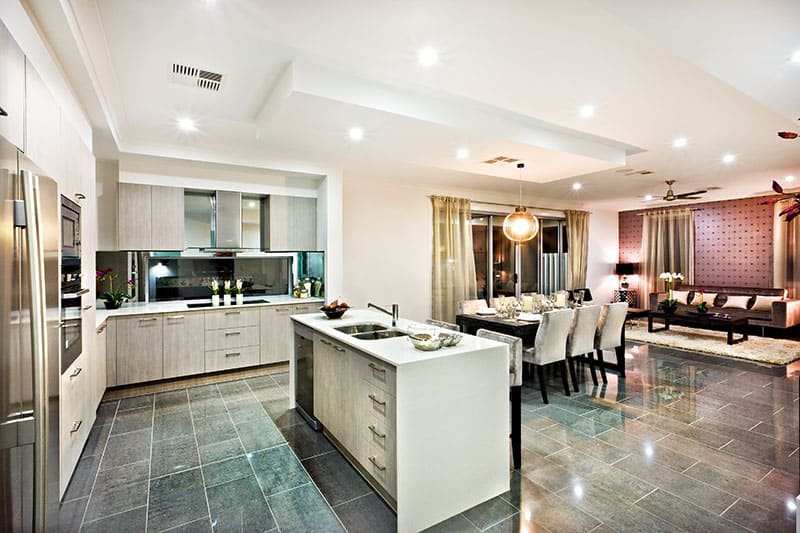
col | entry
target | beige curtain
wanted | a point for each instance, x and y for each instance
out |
(453, 277)
(578, 239)
(667, 246)
(786, 252)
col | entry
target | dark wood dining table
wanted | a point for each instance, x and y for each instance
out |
(525, 330)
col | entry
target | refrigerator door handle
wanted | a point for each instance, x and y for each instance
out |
(35, 248)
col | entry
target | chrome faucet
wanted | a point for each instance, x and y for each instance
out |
(395, 312)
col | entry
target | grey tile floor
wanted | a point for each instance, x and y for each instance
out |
(684, 443)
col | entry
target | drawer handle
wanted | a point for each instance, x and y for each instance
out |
(176, 317)
(377, 401)
(375, 432)
(233, 312)
(75, 374)
(283, 310)
(233, 354)
(87, 307)
(323, 341)
(375, 462)
(102, 328)
(82, 292)
(229, 333)
(337, 348)
(76, 426)
(377, 368)
(151, 319)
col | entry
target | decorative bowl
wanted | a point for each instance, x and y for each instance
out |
(334, 313)
(425, 342)
(450, 339)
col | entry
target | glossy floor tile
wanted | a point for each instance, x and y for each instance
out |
(684, 443)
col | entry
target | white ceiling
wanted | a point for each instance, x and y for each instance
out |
(511, 77)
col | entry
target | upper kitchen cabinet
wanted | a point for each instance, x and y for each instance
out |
(291, 223)
(149, 217)
(12, 89)
(43, 130)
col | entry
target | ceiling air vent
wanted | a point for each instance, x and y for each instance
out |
(195, 77)
(631, 171)
(501, 159)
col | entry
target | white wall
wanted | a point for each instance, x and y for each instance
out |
(388, 243)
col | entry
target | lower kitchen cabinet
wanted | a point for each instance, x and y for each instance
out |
(276, 331)
(77, 415)
(184, 344)
(140, 349)
(99, 370)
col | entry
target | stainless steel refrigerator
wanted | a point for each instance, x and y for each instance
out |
(29, 345)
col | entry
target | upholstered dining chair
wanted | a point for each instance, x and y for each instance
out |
(515, 387)
(550, 346)
(581, 337)
(469, 307)
(609, 336)
(443, 324)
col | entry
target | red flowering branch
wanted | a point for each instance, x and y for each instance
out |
(793, 209)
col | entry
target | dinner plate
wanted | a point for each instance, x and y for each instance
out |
(487, 311)
(529, 317)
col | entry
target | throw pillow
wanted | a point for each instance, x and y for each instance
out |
(707, 297)
(737, 302)
(764, 303)
(681, 296)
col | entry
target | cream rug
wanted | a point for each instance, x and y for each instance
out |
(761, 349)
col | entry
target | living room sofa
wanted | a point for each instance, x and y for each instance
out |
(785, 313)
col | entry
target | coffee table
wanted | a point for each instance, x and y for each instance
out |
(696, 320)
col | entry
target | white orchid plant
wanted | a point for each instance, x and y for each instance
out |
(239, 286)
(214, 286)
(227, 286)
(669, 279)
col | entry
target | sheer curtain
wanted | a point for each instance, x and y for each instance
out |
(453, 277)
(578, 239)
(667, 246)
(786, 253)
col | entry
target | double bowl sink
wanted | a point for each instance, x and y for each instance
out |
(370, 331)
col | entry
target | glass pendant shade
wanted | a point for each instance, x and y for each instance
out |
(520, 226)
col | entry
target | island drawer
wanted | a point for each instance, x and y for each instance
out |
(231, 318)
(379, 462)
(377, 372)
(232, 358)
(223, 339)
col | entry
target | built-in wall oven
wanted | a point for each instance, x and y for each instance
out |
(71, 284)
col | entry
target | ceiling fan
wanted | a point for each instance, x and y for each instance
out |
(671, 196)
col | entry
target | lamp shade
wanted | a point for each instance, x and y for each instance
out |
(520, 226)
(587, 294)
(624, 269)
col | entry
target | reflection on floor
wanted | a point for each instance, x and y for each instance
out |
(684, 443)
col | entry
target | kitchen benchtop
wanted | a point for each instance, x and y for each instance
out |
(396, 351)
(181, 306)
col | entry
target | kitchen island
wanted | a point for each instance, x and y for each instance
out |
(428, 430)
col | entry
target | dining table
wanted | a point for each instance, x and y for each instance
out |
(524, 329)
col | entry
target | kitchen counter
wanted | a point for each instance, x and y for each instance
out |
(148, 308)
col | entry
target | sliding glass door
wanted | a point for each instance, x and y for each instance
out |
(504, 268)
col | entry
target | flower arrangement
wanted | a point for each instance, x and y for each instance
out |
(214, 286)
(238, 286)
(702, 307)
(669, 304)
(227, 287)
(113, 299)
(793, 209)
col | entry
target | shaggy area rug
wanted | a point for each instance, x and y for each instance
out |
(761, 349)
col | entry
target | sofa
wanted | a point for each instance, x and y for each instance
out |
(784, 314)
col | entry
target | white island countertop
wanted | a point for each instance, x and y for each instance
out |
(396, 351)
(147, 308)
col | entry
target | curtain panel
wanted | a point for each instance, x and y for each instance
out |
(578, 239)
(453, 276)
(786, 252)
(667, 246)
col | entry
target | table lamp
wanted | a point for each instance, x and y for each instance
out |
(624, 270)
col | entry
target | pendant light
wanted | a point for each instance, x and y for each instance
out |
(520, 226)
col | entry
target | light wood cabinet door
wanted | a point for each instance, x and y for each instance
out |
(43, 129)
(303, 231)
(134, 217)
(276, 333)
(12, 89)
(99, 370)
(184, 344)
(111, 352)
(140, 349)
(167, 218)
(231, 318)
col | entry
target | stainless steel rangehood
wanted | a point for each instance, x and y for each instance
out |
(226, 222)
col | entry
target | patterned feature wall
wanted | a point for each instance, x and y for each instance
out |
(733, 242)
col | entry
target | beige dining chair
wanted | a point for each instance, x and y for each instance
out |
(550, 346)
(443, 324)
(470, 307)
(609, 337)
(515, 387)
(580, 341)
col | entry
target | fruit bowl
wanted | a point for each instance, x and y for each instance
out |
(335, 309)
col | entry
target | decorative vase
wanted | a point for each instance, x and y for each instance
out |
(215, 300)
(112, 304)
(668, 309)
(239, 298)
(226, 299)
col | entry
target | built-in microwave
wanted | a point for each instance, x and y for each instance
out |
(71, 283)
(70, 228)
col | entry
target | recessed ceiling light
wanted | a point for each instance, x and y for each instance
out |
(788, 178)
(428, 57)
(680, 142)
(728, 158)
(586, 111)
(356, 134)
(648, 197)
(576, 186)
(186, 124)
(795, 57)
(462, 153)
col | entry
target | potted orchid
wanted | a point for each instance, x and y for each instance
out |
(239, 293)
(702, 307)
(669, 304)
(214, 286)
(226, 299)
(112, 299)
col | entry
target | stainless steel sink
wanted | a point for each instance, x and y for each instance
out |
(361, 328)
(377, 335)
